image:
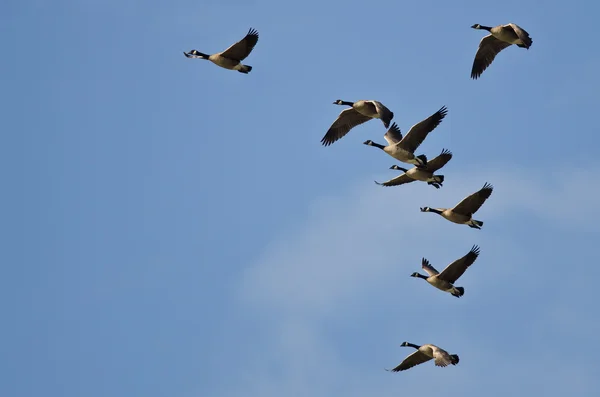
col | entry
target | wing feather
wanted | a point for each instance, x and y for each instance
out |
(385, 114)
(489, 47)
(242, 48)
(397, 181)
(442, 358)
(348, 119)
(412, 360)
(393, 135)
(418, 132)
(439, 161)
(521, 34)
(425, 265)
(470, 204)
(453, 271)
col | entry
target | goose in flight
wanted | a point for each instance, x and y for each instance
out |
(445, 280)
(423, 354)
(233, 56)
(421, 173)
(462, 213)
(500, 37)
(403, 148)
(359, 112)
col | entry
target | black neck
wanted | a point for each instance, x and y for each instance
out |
(199, 54)
(485, 28)
(436, 211)
(402, 169)
(346, 103)
(412, 345)
(421, 276)
(377, 145)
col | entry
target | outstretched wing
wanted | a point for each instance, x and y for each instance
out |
(416, 358)
(522, 34)
(418, 132)
(489, 47)
(393, 135)
(453, 271)
(470, 204)
(242, 48)
(428, 268)
(399, 180)
(348, 119)
(439, 161)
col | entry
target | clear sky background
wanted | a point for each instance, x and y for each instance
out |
(171, 228)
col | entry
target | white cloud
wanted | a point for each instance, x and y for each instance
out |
(340, 283)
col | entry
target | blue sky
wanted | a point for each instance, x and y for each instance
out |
(175, 229)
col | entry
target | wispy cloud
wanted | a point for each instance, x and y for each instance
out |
(338, 301)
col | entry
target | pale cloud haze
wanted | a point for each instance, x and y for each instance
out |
(344, 272)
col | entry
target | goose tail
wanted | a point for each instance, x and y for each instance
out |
(460, 291)
(245, 69)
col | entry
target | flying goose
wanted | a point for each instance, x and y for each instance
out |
(500, 37)
(462, 213)
(425, 353)
(421, 173)
(445, 280)
(231, 58)
(403, 148)
(358, 113)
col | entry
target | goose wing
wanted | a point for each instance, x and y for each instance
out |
(470, 204)
(439, 161)
(522, 34)
(348, 119)
(425, 265)
(418, 132)
(453, 271)
(489, 47)
(393, 135)
(415, 358)
(385, 114)
(242, 48)
(399, 180)
(441, 357)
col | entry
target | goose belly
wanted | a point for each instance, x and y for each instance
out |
(441, 284)
(225, 62)
(456, 218)
(420, 175)
(508, 35)
(400, 154)
(367, 109)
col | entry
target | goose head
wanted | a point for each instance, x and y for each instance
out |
(398, 168)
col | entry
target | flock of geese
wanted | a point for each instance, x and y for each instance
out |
(403, 148)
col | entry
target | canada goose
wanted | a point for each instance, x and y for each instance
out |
(359, 112)
(402, 149)
(462, 213)
(500, 37)
(231, 58)
(425, 353)
(445, 280)
(421, 173)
